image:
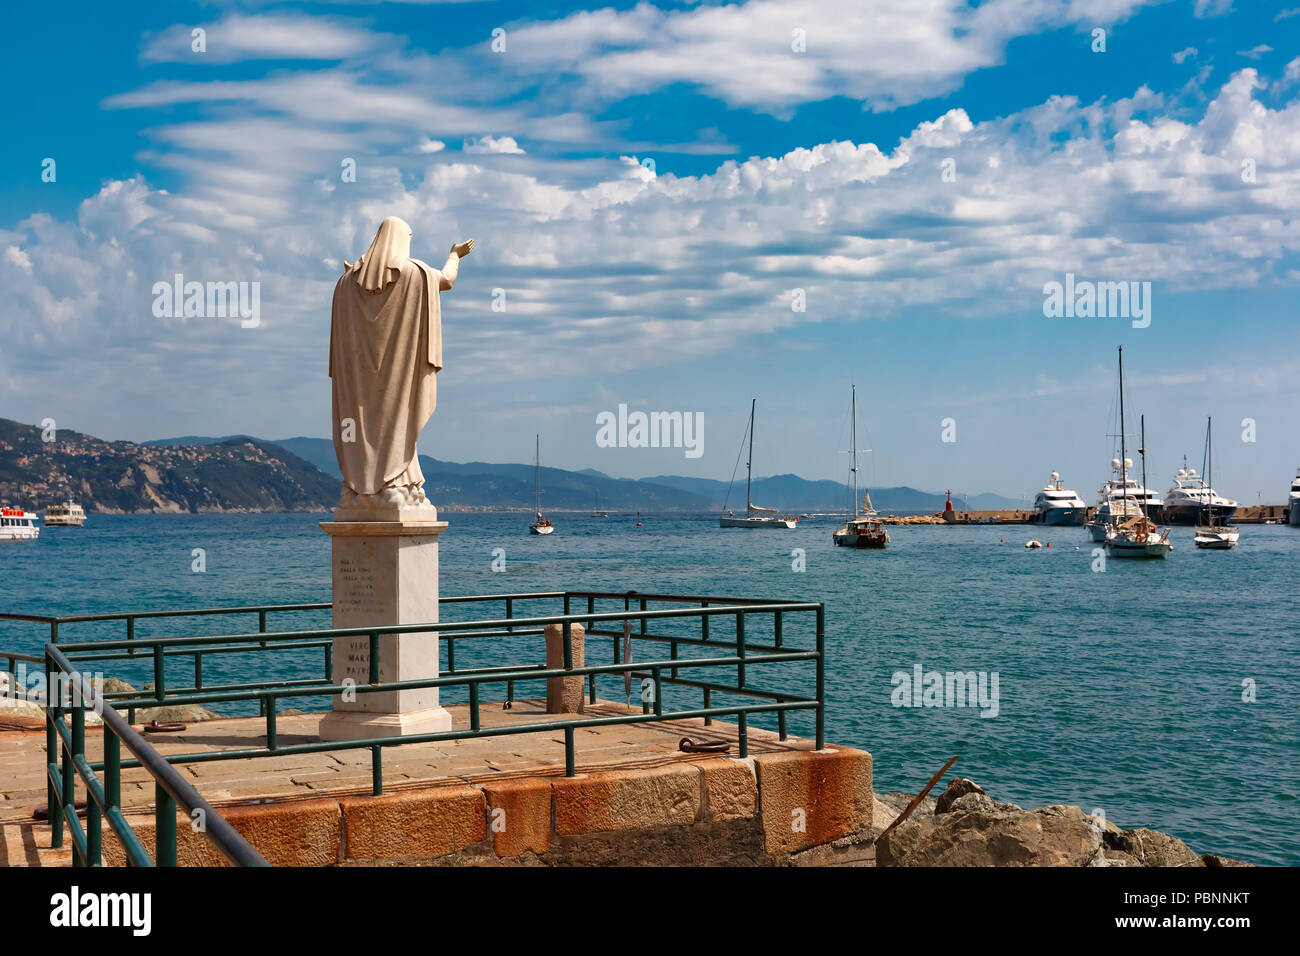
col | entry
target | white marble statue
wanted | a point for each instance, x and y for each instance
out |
(385, 354)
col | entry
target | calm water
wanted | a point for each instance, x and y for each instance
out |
(1120, 690)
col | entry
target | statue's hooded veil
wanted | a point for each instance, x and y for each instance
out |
(381, 264)
(385, 351)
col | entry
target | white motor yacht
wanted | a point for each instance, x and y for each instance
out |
(66, 514)
(1191, 501)
(1058, 505)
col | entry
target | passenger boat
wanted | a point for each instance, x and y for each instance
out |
(66, 514)
(17, 525)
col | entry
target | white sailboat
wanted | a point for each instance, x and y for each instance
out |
(1212, 534)
(540, 525)
(1134, 536)
(754, 517)
(863, 530)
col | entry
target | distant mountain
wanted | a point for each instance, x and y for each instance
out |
(481, 485)
(234, 474)
(792, 493)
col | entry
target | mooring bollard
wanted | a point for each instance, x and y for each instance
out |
(564, 694)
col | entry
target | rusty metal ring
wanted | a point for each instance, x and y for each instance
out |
(686, 745)
(163, 727)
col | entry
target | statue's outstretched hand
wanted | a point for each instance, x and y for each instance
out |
(462, 249)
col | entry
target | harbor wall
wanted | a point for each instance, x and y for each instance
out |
(786, 808)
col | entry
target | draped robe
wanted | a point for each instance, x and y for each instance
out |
(385, 353)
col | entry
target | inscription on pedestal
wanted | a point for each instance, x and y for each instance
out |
(356, 602)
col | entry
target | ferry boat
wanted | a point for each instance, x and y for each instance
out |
(67, 514)
(17, 525)
(1058, 505)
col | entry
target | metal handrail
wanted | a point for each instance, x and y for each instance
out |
(171, 790)
(742, 653)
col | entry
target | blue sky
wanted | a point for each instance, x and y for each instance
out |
(670, 289)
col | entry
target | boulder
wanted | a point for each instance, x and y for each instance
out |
(1209, 859)
(991, 837)
(1153, 848)
(958, 787)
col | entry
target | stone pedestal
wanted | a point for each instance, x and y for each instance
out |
(564, 694)
(386, 572)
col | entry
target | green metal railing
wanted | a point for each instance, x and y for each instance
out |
(735, 649)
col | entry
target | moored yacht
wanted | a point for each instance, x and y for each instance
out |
(1191, 500)
(17, 525)
(1121, 497)
(864, 529)
(67, 514)
(1294, 502)
(1058, 505)
(754, 516)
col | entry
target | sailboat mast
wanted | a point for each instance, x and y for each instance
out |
(855, 451)
(1142, 450)
(749, 465)
(1123, 448)
(537, 476)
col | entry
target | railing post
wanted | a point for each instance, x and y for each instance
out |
(164, 827)
(130, 635)
(70, 768)
(112, 772)
(778, 627)
(329, 661)
(743, 723)
(374, 657)
(708, 702)
(53, 749)
(376, 770)
(659, 704)
(271, 736)
(198, 670)
(261, 624)
(510, 613)
(473, 707)
(821, 677)
(159, 673)
(740, 650)
(451, 654)
(570, 768)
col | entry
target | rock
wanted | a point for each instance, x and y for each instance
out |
(991, 837)
(957, 787)
(114, 686)
(898, 803)
(185, 713)
(1209, 859)
(972, 801)
(1153, 848)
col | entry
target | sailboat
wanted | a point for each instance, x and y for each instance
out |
(755, 517)
(595, 508)
(540, 525)
(863, 530)
(1134, 536)
(1211, 536)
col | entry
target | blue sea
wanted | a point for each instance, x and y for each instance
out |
(1121, 689)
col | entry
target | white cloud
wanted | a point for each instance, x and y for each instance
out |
(1182, 55)
(17, 257)
(1255, 53)
(240, 37)
(427, 145)
(499, 145)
